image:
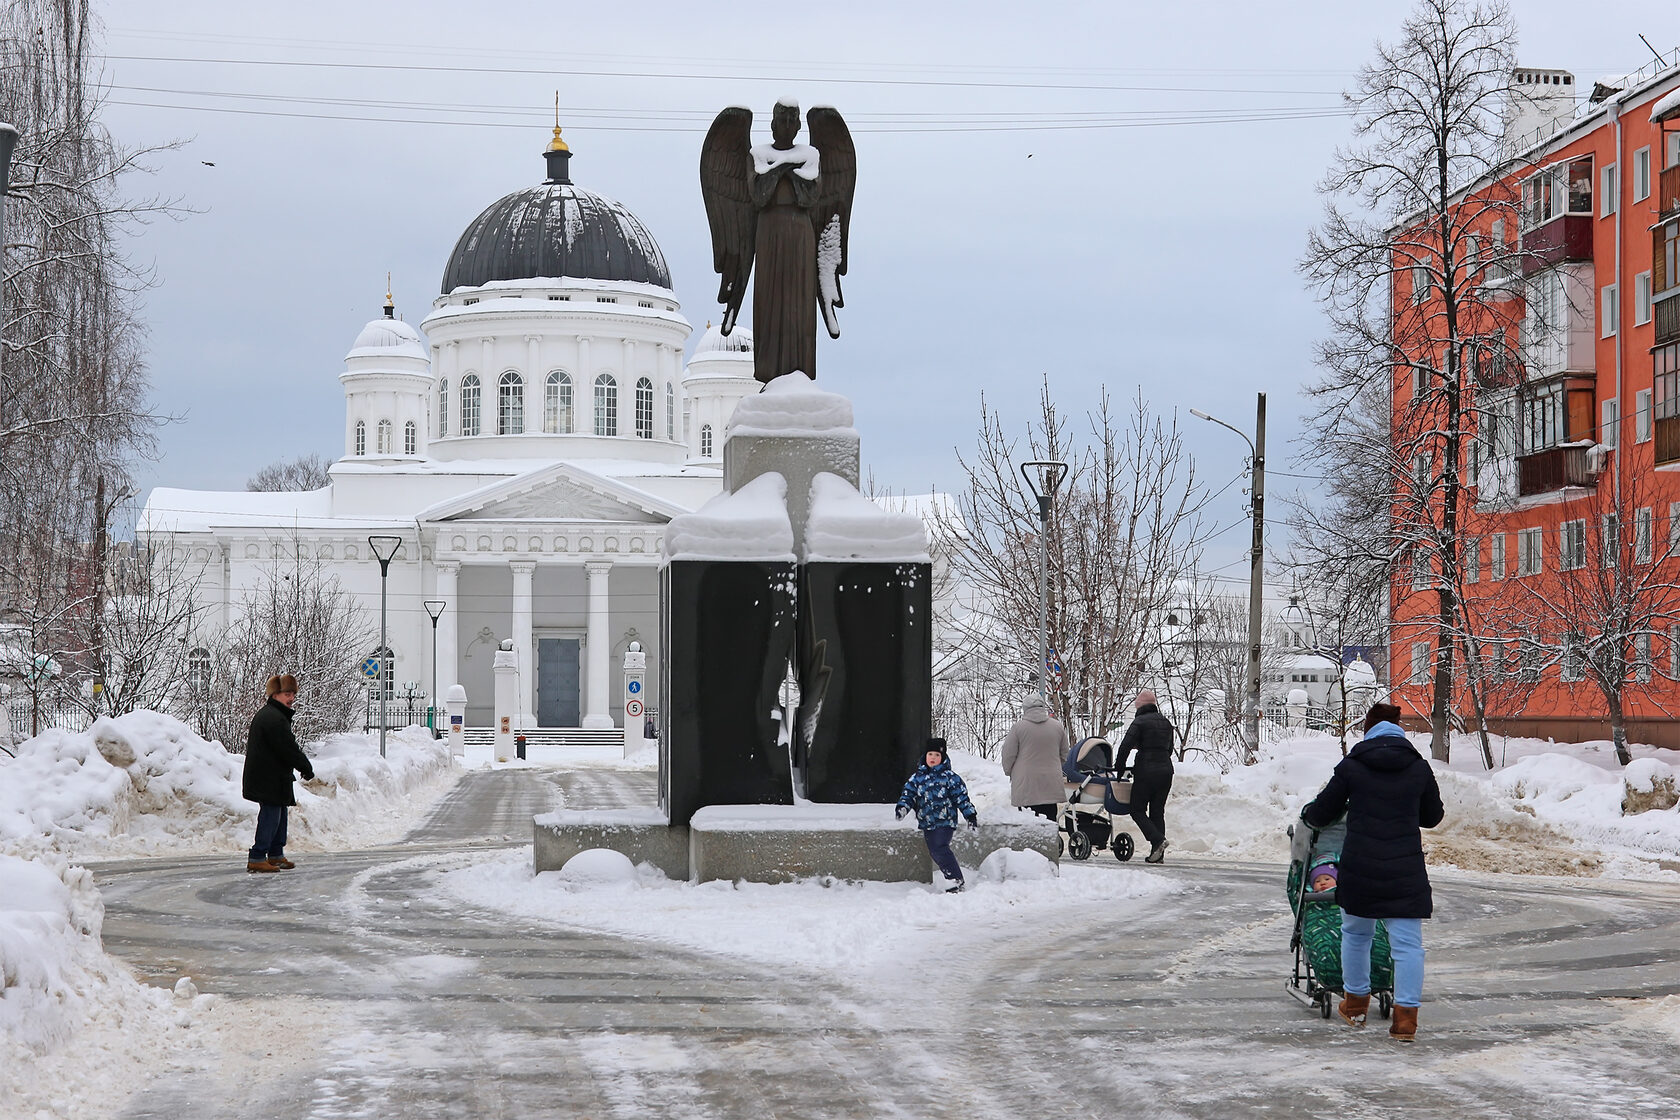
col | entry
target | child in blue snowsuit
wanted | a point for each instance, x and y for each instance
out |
(937, 795)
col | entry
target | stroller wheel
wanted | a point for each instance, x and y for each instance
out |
(1123, 846)
(1079, 845)
(1324, 1004)
(1385, 1004)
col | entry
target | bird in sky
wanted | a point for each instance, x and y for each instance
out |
(206, 163)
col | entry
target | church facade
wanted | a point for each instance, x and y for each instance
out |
(528, 443)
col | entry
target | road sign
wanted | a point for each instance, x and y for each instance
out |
(370, 667)
(633, 708)
(634, 686)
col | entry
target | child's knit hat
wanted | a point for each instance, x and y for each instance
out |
(937, 744)
(1320, 869)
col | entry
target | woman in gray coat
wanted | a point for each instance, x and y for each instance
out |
(1033, 752)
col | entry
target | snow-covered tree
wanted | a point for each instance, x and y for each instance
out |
(306, 472)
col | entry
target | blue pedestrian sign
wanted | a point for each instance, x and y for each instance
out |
(370, 667)
(634, 687)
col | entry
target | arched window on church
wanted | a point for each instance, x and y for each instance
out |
(670, 411)
(557, 403)
(469, 405)
(606, 405)
(705, 441)
(411, 438)
(443, 408)
(384, 437)
(388, 662)
(510, 405)
(198, 672)
(361, 437)
(644, 408)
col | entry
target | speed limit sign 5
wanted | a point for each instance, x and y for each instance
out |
(633, 708)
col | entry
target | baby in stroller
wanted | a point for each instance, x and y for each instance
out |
(1317, 939)
(1096, 793)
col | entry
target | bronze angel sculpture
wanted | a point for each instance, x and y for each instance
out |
(788, 208)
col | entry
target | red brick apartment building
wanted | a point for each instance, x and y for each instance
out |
(1568, 551)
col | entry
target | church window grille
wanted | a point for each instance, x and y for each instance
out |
(411, 439)
(469, 405)
(510, 405)
(705, 441)
(198, 672)
(384, 437)
(670, 411)
(606, 405)
(557, 403)
(443, 408)
(361, 437)
(644, 408)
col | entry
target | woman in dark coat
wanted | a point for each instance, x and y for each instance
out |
(271, 754)
(1389, 793)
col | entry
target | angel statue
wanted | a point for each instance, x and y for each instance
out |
(788, 206)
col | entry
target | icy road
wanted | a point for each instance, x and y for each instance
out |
(354, 987)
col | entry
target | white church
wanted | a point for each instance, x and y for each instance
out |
(528, 443)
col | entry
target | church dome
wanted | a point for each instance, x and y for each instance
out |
(555, 229)
(388, 338)
(738, 341)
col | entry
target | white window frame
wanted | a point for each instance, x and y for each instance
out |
(472, 402)
(644, 408)
(1496, 557)
(1572, 545)
(1609, 311)
(1530, 552)
(1420, 663)
(361, 437)
(1643, 531)
(1423, 576)
(670, 411)
(557, 402)
(1609, 422)
(705, 441)
(1674, 653)
(606, 404)
(199, 671)
(1473, 560)
(1642, 298)
(443, 408)
(1610, 539)
(385, 437)
(1642, 174)
(1673, 529)
(411, 438)
(510, 403)
(1607, 190)
(1422, 475)
(1420, 284)
(1572, 662)
(1642, 658)
(1642, 416)
(1672, 141)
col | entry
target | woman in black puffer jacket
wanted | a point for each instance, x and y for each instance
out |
(1389, 793)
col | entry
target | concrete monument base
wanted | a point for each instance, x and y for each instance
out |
(778, 843)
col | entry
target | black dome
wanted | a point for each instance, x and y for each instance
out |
(555, 229)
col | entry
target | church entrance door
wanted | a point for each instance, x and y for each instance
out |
(557, 682)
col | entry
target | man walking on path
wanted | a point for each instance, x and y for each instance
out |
(1033, 753)
(271, 754)
(1151, 735)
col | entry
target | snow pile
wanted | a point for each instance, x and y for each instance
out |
(750, 524)
(792, 405)
(146, 784)
(1668, 103)
(845, 525)
(1648, 784)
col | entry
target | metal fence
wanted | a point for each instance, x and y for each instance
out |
(400, 711)
(27, 717)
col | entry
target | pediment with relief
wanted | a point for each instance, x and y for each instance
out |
(559, 501)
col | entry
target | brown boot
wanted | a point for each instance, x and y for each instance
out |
(261, 865)
(1404, 1026)
(1352, 1009)
(281, 863)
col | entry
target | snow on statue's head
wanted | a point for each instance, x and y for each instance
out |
(784, 123)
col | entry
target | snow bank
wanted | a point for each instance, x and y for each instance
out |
(792, 405)
(845, 525)
(147, 784)
(750, 524)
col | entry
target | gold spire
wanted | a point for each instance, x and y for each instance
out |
(557, 144)
(390, 304)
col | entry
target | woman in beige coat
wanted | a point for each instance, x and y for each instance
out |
(1033, 753)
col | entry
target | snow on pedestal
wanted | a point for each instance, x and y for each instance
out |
(844, 525)
(749, 524)
(796, 430)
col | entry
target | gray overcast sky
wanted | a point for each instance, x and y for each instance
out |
(999, 239)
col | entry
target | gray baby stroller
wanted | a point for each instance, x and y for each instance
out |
(1095, 794)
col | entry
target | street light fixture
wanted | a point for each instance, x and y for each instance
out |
(1257, 557)
(384, 549)
(434, 607)
(1043, 476)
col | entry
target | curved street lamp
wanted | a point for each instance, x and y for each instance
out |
(1043, 476)
(384, 550)
(434, 607)
(1256, 567)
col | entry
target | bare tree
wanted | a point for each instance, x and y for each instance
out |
(150, 616)
(300, 620)
(1125, 528)
(1415, 275)
(306, 472)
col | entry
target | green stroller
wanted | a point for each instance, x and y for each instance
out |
(1317, 939)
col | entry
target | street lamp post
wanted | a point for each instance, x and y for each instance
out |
(384, 549)
(1050, 473)
(8, 140)
(434, 607)
(1256, 567)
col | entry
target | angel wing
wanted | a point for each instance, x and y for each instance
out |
(831, 215)
(726, 169)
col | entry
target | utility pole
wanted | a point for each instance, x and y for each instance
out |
(1050, 473)
(8, 140)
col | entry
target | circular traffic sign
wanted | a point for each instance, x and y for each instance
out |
(370, 667)
(634, 687)
(633, 708)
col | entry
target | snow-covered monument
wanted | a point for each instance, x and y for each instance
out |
(528, 442)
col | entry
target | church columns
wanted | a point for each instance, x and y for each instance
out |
(523, 645)
(447, 585)
(596, 691)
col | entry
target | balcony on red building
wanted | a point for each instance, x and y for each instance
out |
(1557, 215)
(1555, 425)
(1665, 431)
(1668, 192)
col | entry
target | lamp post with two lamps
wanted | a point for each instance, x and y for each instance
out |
(434, 607)
(1049, 475)
(384, 550)
(1256, 568)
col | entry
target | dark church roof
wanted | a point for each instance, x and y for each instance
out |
(554, 230)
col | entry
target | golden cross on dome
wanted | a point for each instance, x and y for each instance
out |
(557, 144)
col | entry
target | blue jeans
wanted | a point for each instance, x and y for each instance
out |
(271, 833)
(939, 847)
(1405, 940)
